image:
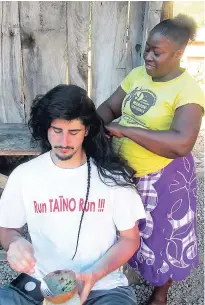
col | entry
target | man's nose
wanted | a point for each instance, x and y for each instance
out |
(65, 140)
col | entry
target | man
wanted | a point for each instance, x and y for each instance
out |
(73, 197)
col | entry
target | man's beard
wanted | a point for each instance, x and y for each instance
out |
(65, 158)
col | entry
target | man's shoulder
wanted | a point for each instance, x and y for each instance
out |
(33, 163)
(114, 182)
(97, 177)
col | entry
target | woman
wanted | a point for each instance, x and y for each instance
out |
(161, 108)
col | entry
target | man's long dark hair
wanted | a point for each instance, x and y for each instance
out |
(71, 102)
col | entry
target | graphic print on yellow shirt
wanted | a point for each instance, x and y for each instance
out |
(152, 105)
(140, 101)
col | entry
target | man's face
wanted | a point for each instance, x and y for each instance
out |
(66, 138)
(161, 55)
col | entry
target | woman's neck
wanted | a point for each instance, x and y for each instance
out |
(172, 75)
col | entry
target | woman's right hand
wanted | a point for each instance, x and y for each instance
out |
(20, 256)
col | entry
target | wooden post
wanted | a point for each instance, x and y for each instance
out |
(167, 10)
(109, 31)
(135, 35)
(44, 47)
(152, 16)
(78, 16)
(11, 96)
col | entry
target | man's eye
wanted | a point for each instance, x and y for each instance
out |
(157, 55)
(73, 133)
(57, 131)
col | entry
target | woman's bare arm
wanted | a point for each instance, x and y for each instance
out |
(111, 108)
(178, 141)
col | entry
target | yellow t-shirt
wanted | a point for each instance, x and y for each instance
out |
(151, 105)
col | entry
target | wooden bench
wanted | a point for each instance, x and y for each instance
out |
(15, 140)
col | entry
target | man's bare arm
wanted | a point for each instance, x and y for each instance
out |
(20, 252)
(114, 258)
(7, 236)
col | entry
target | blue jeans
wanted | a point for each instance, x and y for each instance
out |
(10, 296)
(116, 296)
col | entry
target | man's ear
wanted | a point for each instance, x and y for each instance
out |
(87, 131)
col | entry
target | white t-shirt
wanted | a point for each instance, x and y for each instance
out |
(50, 200)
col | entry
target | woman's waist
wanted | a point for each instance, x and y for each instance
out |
(130, 149)
(139, 158)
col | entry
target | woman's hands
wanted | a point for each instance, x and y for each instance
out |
(115, 129)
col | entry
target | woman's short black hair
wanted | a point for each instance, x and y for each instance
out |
(180, 29)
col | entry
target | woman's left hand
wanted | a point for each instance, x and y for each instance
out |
(86, 281)
(115, 130)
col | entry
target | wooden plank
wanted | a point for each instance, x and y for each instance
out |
(44, 46)
(15, 139)
(78, 16)
(3, 181)
(2, 255)
(134, 43)
(109, 31)
(11, 97)
(196, 43)
(152, 16)
(167, 10)
(197, 58)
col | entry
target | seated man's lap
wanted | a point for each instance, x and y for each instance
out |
(10, 296)
(117, 296)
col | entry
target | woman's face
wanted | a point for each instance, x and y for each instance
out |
(161, 56)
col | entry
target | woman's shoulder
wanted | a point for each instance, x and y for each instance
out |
(187, 78)
(190, 85)
(189, 92)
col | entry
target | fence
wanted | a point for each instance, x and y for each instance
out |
(91, 44)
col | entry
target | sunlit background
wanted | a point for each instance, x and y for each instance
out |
(194, 56)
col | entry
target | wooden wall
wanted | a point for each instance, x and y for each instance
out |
(47, 43)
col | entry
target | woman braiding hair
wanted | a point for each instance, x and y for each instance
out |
(161, 107)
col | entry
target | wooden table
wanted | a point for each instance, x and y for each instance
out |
(15, 140)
